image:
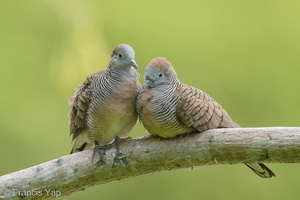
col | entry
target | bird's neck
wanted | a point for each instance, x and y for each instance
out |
(173, 82)
(120, 72)
(167, 86)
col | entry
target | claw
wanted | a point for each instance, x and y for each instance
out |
(97, 149)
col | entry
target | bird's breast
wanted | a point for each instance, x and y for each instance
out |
(116, 116)
(158, 115)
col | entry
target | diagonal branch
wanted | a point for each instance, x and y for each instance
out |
(75, 172)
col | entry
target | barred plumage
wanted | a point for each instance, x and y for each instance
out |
(103, 108)
(168, 108)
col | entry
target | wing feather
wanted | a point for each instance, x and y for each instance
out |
(80, 104)
(198, 110)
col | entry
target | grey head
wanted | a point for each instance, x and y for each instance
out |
(122, 57)
(158, 72)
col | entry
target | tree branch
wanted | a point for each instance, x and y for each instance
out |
(71, 173)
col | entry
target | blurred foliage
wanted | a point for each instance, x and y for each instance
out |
(245, 54)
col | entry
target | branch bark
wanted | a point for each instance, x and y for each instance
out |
(65, 175)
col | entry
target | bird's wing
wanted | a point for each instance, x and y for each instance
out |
(198, 110)
(80, 104)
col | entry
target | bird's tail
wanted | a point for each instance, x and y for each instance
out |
(80, 144)
(261, 170)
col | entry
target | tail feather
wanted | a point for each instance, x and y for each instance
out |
(81, 148)
(258, 168)
(261, 170)
(80, 144)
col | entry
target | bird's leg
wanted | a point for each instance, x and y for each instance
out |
(179, 138)
(119, 159)
(98, 148)
(117, 143)
(126, 139)
(183, 136)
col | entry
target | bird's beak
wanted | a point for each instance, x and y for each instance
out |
(133, 63)
(148, 83)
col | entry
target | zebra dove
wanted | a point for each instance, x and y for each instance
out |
(103, 108)
(168, 108)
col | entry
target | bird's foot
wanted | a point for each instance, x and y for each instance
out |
(116, 142)
(119, 158)
(126, 139)
(97, 149)
(183, 136)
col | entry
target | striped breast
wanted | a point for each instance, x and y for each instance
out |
(158, 111)
(112, 109)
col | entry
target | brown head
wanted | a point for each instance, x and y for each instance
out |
(159, 71)
(123, 56)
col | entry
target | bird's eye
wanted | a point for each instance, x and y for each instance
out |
(160, 75)
(120, 55)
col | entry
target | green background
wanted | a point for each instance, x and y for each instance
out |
(245, 54)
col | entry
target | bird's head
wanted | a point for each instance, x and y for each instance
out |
(159, 71)
(123, 56)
